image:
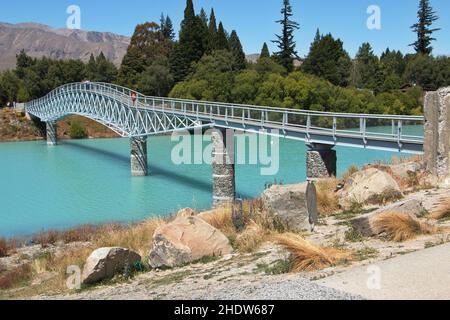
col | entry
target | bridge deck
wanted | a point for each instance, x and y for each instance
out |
(114, 106)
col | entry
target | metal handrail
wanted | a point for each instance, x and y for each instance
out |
(128, 91)
(249, 114)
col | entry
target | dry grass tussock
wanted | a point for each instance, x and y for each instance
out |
(443, 210)
(310, 257)
(137, 237)
(7, 247)
(397, 160)
(327, 199)
(400, 227)
(350, 171)
(258, 226)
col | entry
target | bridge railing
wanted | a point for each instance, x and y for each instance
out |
(392, 127)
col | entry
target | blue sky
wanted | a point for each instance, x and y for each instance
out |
(254, 20)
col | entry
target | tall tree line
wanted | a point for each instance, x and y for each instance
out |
(207, 62)
(34, 78)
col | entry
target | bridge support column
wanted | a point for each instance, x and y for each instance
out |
(437, 133)
(321, 161)
(223, 165)
(52, 133)
(139, 164)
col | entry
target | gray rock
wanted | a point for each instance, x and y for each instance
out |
(364, 224)
(366, 184)
(287, 205)
(104, 263)
(185, 240)
(404, 170)
(437, 132)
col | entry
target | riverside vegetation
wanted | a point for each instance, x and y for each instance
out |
(14, 126)
(263, 246)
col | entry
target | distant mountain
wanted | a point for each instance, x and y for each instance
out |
(253, 58)
(40, 40)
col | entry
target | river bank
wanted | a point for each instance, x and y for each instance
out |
(15, 126)
(262, 255)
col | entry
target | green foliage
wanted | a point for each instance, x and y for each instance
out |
(101, 69)
(148, 43)
(276, 268)
(193, 42)
(367, 72)
(76, 130)
(267, 84)
(156, 80)
(212, 78)
(328, 59)
(265, 53)
(428, 72)
(222, 39)
(212, 32)
(167, 27)
(239, 62)
(423, 29)
(285, 41)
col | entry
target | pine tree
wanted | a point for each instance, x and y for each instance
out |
(166, 27)
(192, 44)
(285, 41)
(423, 28)
(23, 61)
(239, 62)
(265, 53)
(212, 32)
(367, 69)
(106, 71)
(328, 59)
(204, 17)
(222, 39)
(91, 68)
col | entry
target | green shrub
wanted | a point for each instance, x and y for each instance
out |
(77, 131)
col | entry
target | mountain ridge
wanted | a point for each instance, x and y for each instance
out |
(39, 40)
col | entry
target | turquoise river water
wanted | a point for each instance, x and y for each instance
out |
(88, 181)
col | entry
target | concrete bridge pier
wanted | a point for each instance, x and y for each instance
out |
(321, 161)
(223, 165)
(437, 133)
(139, 164)
(52, 133)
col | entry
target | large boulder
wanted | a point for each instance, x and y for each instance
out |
(365, 185)
(185, 240)
(405, 170)
(365, 224)
(288, 207)
(186, 212)
(104, 263)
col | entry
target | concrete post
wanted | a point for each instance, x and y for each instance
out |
(52, 133)
(223, 166)
(437, 133)
(139, 164)
(321, 161)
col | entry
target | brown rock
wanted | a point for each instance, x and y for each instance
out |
(185, 240)
(104, 263)
(186, 212)
(364, 185)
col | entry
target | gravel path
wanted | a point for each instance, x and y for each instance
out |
(290, 289)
